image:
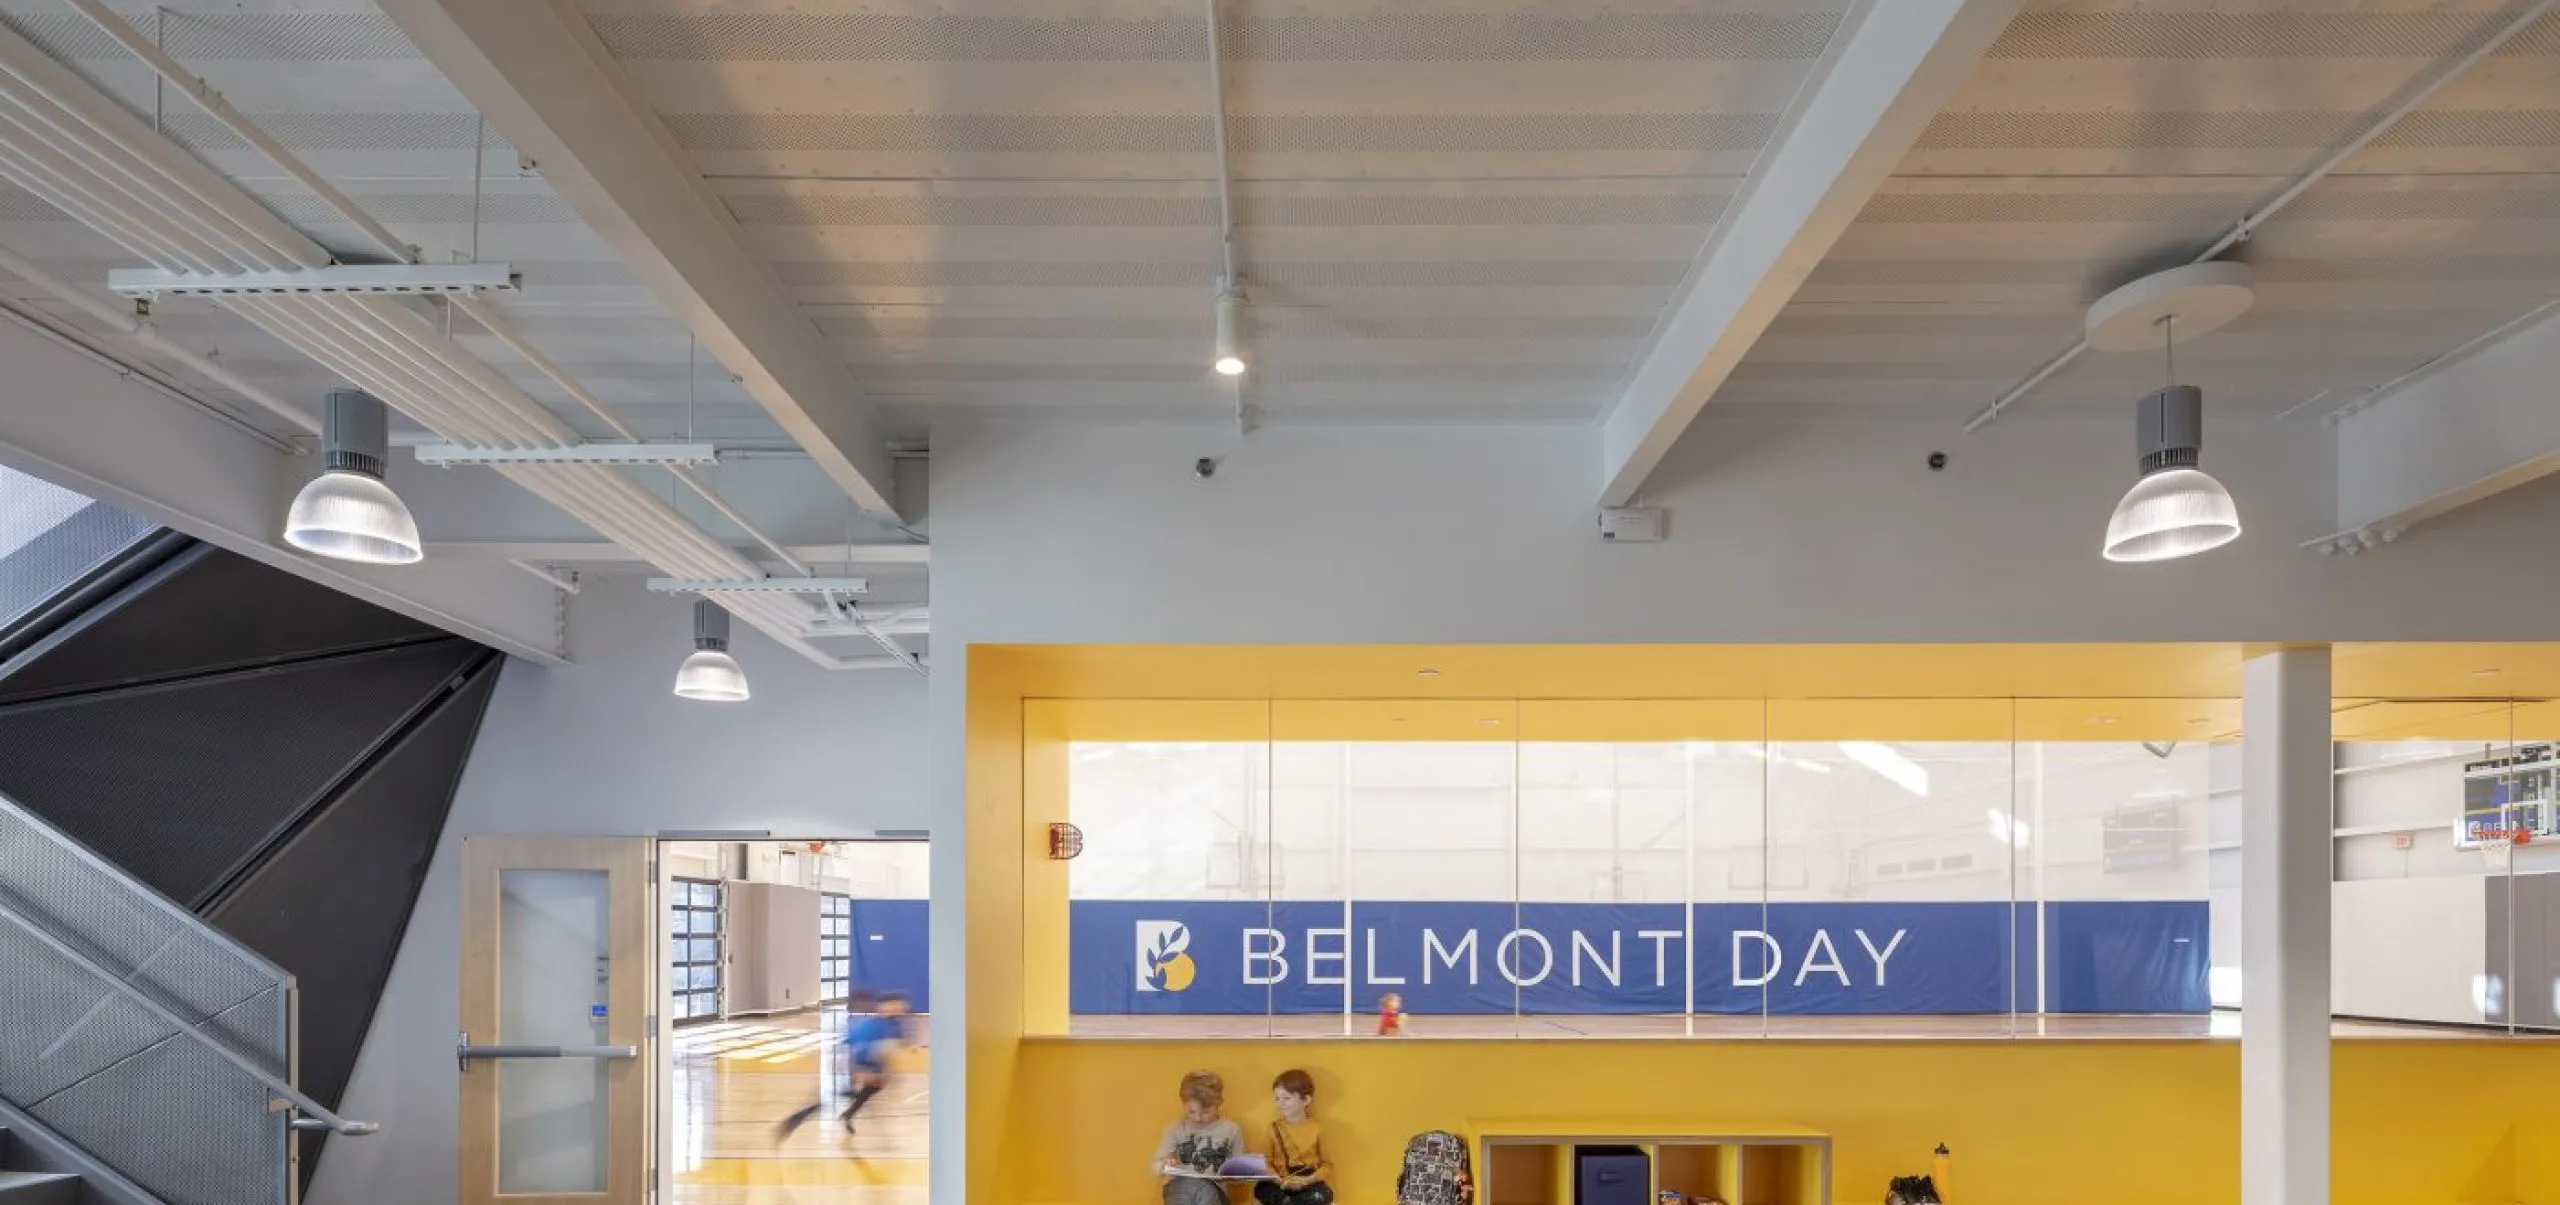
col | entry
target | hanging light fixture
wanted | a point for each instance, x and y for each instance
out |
(1230, 350)
(2175, 509)
(347, 512)
(711, 674)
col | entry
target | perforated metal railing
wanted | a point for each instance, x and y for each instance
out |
(139, 1033)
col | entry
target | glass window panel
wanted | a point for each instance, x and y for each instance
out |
(554, 965)
(1431, 867)
(1883, 856)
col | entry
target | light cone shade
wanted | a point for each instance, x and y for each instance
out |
(2170, 514)
(711, 676)
(352, 517)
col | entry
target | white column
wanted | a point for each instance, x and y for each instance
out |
(2286, 772)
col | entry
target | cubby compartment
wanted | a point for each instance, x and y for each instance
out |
(1534, 1163)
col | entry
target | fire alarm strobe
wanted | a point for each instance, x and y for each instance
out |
(1065, 842)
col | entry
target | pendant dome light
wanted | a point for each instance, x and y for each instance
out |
(347, 513)
(711, 675)
(2175, 509)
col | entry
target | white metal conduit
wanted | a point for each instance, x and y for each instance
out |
(68, 143)
(2410, 101)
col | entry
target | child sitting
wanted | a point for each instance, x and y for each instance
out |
(1195, 1147)
(1297, 1147)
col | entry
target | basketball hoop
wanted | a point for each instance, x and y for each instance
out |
(2500, 847)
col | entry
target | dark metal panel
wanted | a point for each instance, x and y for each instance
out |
(178, 783)
(212, 612)
(331, 906)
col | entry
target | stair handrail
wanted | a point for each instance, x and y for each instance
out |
(275, 1084)
(157, 902)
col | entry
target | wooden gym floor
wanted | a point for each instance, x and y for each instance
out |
(736, 1080)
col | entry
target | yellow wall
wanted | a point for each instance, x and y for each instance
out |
(1044, 881)
(2035, 1122)
(993, 898)
(1058, 1120)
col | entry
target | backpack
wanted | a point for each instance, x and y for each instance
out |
(1437, 1171)
(1912, 1190)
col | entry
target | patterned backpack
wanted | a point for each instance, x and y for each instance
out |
(1912, 1190)
(1437, 1171)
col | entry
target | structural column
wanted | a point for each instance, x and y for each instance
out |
(2287, 770)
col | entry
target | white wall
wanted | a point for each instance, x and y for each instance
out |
(1820, 532)
(602, 747)
(2409, 949)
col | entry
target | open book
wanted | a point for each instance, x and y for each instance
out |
(1241, 1167)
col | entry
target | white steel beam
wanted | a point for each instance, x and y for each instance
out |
(1884, 77)
(449, 455)
(86, 427)
(540, 76)
(2474, 424)
(761, 585)
(578, 552)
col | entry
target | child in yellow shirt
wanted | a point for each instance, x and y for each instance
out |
(1297, 1147)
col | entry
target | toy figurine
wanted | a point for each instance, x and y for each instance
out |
(1390, 1015)
(1297, 1147)
(1197, 1146)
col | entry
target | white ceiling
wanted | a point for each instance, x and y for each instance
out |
(1466, 212)
(339, 85)
(2103, 138)
(1463, 211)
(1458, 212)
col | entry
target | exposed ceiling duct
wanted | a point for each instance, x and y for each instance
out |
(67, 142)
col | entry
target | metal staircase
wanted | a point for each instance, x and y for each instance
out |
(138, 1045)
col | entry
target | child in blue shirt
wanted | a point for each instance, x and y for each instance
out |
(876, 1032)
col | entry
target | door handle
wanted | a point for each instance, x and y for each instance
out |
(464, 1052)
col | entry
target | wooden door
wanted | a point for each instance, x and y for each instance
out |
(557, 979)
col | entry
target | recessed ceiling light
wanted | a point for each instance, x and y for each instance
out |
(2102, 720)
(1426, 672)
(2484, 673)
(1488, 721)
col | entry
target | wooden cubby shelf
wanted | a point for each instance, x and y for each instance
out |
(1531, 1162)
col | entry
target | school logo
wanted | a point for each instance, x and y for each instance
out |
(1164, 956)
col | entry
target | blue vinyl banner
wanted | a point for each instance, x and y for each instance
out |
(2106, 957)
(1864, 957)
(1238, 958)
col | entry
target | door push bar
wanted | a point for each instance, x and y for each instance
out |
(464, 1052)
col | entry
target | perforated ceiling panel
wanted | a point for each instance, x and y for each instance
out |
(1456, 211)
(2101, 139)
(337, 83)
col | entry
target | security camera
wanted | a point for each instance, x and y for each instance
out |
(1205, 468)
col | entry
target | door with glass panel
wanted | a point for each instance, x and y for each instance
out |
(556, 982)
